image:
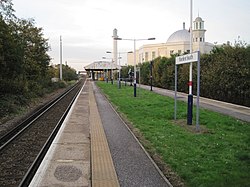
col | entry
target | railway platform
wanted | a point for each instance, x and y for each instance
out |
(94, 147)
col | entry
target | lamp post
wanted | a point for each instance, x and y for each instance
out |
(119, 57)
(134, 40)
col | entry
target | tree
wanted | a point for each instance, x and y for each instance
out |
(145, 73)
(6, 10)
(225, 73)
(10, 59)
(23, 54)
(35, 47)
(69, 73)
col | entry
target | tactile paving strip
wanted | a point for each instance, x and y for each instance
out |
(103, 171)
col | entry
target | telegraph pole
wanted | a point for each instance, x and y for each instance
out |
(61, 58)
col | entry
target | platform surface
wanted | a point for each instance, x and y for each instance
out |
(94, 147)
(67, 163)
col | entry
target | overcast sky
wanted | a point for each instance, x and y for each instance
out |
(86, 26)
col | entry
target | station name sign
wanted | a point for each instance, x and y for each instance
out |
(193, 57)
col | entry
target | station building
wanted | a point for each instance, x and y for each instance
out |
(178, 42)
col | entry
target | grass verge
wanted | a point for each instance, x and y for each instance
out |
(218, 156)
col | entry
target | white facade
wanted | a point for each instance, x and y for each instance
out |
(178, 42)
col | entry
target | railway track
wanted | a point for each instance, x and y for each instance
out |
(23, 148)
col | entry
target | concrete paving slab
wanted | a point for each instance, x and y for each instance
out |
(67, 173)
(77, 137)
(75, 152)
(81, 128)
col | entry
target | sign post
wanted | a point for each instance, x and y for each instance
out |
(184, 59)
(198, 95)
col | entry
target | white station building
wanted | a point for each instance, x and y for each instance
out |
(178, 42)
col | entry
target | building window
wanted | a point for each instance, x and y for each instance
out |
(200, 39)
(141, 58)
(196, 39)
(188, 51)
(146, 56)
(153, 55)
(179, 52)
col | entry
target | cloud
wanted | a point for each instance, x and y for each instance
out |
(86, 26)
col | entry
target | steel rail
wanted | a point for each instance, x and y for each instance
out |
(35, 165)
(19, 129)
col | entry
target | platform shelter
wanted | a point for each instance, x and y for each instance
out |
(101, 70)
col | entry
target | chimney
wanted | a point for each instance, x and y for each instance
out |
(115, 33)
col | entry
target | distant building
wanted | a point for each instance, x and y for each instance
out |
(178, 42)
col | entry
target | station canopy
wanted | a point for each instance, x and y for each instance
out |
(101, 66)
